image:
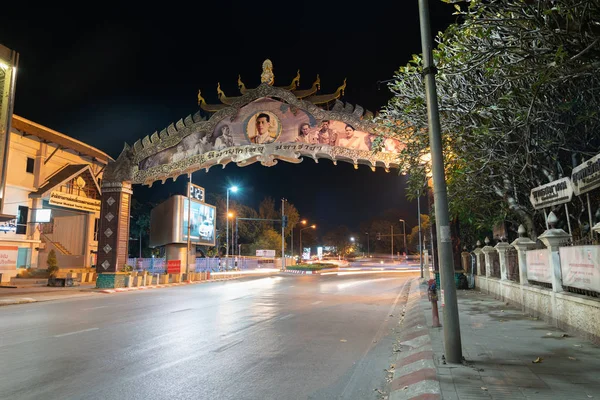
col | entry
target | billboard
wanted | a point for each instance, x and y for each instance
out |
(266, 121)
(265, 253)
(202, 229)
(169, 222)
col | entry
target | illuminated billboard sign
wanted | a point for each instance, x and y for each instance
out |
(202, 229)
(169, 222)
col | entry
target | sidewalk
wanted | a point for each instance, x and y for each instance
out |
(509, 355)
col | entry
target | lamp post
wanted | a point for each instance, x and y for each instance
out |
(233, 189)
(368, 245)
(230, 217)
(303, 222)
(404, 235)
(308, 227)
(352, 240)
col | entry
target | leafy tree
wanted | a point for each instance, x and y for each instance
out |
(518, 100)
(412, 240)
(269, 239)
(338, 237)
(140, 227)
(52, 264)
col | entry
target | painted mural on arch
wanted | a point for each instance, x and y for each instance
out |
(264, 121)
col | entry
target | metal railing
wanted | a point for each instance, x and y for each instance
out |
(512, 267)
(213, 264)
(494, 264)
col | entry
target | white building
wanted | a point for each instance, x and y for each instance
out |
(51, 199)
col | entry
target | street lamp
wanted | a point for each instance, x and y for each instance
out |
(230, 217)
(303, 222)
(233, 189)
(368, 245)
(404, 234)
(308, 227)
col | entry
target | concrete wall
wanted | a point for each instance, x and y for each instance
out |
(577, 314)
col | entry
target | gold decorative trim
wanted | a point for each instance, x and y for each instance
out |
(267, 155)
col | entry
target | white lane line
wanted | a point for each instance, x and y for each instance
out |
(94, 308)
(316, 302)
(76, 332)
(286, 316)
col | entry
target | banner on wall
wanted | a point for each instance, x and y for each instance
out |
(580, 266)
(8, 257)
(538, 265)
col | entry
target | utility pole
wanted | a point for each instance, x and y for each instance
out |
(392, 229)
(420, 242)
(452, 340)
(282, 235)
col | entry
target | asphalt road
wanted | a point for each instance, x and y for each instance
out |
(278, 337)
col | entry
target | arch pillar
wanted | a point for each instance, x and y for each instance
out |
(113, 235)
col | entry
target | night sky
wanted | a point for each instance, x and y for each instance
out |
(112, 76)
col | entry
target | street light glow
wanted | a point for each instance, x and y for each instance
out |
(230, 215)
(233, 189)
(303, 222)
(313, 226)
(352, 239)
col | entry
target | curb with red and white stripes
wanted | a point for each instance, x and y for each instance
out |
(134, 288)
(415, 375)
(295, 271)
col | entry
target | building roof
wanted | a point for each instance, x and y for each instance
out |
(67, 173)
(65, 142)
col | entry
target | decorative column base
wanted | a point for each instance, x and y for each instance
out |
(111, 280)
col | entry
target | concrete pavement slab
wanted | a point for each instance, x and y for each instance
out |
(510, 355)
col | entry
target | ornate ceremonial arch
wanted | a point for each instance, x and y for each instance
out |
(265, 124)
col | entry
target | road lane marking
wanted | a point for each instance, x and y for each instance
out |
(316, 302)
(286, 317)
(228, 346)
(185, 309)
(94, 308)
(76, 332)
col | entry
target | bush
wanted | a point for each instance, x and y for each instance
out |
(127, 268)
(33, 274)
(52, 264)
(311, 267)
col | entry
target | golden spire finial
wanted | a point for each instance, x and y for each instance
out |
(220, 93)
(267, 75)
(296, 81)
(200, 98)
(241, 85)
(341, 89)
